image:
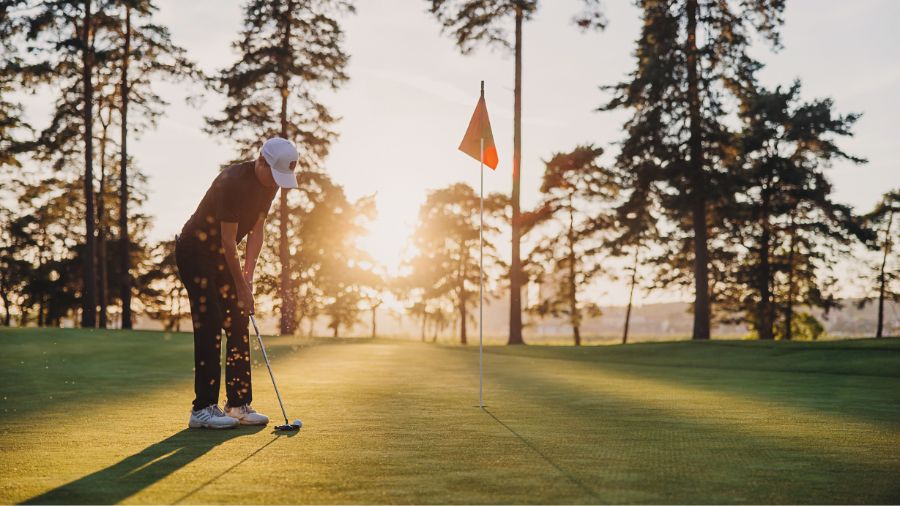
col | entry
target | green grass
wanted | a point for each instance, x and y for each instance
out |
(100, 416)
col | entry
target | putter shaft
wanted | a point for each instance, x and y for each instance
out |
(268, 366)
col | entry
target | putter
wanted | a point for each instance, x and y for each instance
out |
(287, 426)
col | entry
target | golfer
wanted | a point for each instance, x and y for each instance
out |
(221, 292)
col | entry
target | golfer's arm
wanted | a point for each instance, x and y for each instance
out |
(254, 246)
(229, 245)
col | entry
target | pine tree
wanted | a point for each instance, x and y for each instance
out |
(12, 124)
(446, 264)
(816, 236)
(473, 22)
(144, 53)
(288, 51)
(636, 226)
(107, 97)
(48, 245)
(344, 272)
(84, 65)
(333, 273)
(164, 298)
(67, 40)
(882, 222)
(15, 272)
(45, 243)
(676, 137)
(783, 201)
(416, 287)
(578, 194)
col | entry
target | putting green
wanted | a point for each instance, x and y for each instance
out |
(100, 417)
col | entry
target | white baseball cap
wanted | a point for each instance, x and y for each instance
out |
(279, 154)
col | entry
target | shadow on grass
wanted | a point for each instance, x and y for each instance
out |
(59, 369)
(208, 482)
(620, 443)
(137, 472)
(578, 483)
(825, 377)
(843, 358)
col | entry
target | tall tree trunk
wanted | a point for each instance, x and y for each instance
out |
(573, 298)
(630, 296)
(764, 275)
(461, 286)
(462, 315)
(424, 321)
(101, 218)
(374, 315)
(124, 239)
(879, 332)
(5, 298)
(288, 322)
(42, 295)
(789, 306)
(89, 278)
(101, 238)
(697, 191)
(515, 274)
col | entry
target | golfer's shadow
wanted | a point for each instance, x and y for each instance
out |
(137, 472)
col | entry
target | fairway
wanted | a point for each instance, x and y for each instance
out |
(100, 417)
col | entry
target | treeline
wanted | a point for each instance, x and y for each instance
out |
(718, 185)
(72, 233)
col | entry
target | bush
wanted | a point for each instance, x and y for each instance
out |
(804, 327)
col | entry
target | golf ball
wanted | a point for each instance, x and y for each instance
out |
(298, 423)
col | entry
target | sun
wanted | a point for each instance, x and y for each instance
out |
(389, 233)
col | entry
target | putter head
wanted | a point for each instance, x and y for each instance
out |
(287, 427)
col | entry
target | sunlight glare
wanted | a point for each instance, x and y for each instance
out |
(388, 235)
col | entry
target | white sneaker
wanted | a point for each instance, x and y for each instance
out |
(246, 415)
(211, 417)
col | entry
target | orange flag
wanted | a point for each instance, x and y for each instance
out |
(480, 128)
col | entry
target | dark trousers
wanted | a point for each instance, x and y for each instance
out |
(214, 307)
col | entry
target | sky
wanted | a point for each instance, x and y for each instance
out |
(411, 93)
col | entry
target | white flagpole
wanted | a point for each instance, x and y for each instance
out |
(481, 277)
(481, 289)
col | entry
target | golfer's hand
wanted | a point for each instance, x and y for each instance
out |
(245, 298)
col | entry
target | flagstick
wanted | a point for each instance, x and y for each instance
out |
(481, 274)
(481, 285)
